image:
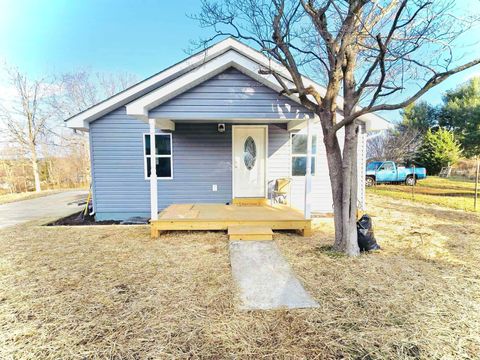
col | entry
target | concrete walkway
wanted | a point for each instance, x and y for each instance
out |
(45, 207)
(265, 279)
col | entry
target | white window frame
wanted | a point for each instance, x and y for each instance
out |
(292, 155)
(147, 157)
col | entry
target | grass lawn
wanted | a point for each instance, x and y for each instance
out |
(112, 292)
(455, 193)
(8, 198)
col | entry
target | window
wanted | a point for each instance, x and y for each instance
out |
(373, 166)
(249, 153)
(163, 155)
(388, 166)
(299, 154)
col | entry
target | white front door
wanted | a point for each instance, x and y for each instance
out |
(249, 161)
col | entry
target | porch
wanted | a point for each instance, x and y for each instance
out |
(243, 222)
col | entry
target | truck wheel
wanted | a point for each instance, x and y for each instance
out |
(410, 180)
(369, 181)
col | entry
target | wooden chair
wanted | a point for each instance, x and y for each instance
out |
(281, 191)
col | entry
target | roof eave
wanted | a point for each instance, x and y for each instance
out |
(81, 121)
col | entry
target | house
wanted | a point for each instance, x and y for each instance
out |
(223, 133)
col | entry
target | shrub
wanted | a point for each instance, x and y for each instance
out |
(439, 148)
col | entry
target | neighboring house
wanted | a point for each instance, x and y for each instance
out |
(222, 131)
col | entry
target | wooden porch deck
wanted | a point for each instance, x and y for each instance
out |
(220, 217)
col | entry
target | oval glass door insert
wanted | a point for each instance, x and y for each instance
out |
(249, 153)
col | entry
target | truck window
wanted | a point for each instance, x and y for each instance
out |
(373, 166)
(388, 166)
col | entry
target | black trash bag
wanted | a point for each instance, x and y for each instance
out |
(366, 238)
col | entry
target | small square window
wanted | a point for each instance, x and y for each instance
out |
(162, 144)
(163, 165)
(299, 165)
(299, 154)
(299, 144)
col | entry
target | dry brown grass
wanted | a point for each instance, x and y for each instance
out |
(111, 292)
(455, 193)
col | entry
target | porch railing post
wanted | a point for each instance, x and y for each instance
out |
(308, 172)
(153, 173)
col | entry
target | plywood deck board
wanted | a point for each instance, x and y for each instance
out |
(179, 211)
(221, 217)
(249, 230)
(220, 212)
(249, 201)
(250, 237)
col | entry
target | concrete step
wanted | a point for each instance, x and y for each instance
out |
(245, 232)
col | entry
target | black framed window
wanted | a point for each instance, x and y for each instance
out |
(163, 156)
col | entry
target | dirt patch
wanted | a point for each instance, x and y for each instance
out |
(78, 219)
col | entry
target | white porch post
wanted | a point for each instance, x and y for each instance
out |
(308, 174)
(153, 173)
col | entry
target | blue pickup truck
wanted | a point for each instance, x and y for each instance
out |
(389, 172)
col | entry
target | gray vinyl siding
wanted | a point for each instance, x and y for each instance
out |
(201, 158)
(230, 95)
(201, 155)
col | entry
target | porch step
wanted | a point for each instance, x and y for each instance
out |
(252, 201)
(245, 232)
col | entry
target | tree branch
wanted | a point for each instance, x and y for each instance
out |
(433, 81)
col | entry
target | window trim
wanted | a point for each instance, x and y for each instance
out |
(292, 155)
(147, 157)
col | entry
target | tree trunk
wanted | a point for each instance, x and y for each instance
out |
(343, 180)
(349, 192)
(334, 160)
(36, 173)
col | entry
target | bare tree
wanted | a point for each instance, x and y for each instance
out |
(83, 89)
(33, 123)
(26, 118)
(399, 145)
(78, 91)
(368, 51)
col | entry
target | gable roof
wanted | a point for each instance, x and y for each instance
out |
(167, 84)
(230, 96)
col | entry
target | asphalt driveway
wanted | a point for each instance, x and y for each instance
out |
(46, 207)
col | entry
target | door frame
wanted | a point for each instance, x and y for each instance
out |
(265, 127)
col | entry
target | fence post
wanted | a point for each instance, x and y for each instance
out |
(476, 184)
(414, 182)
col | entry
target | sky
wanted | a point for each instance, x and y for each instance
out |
(141, 37)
